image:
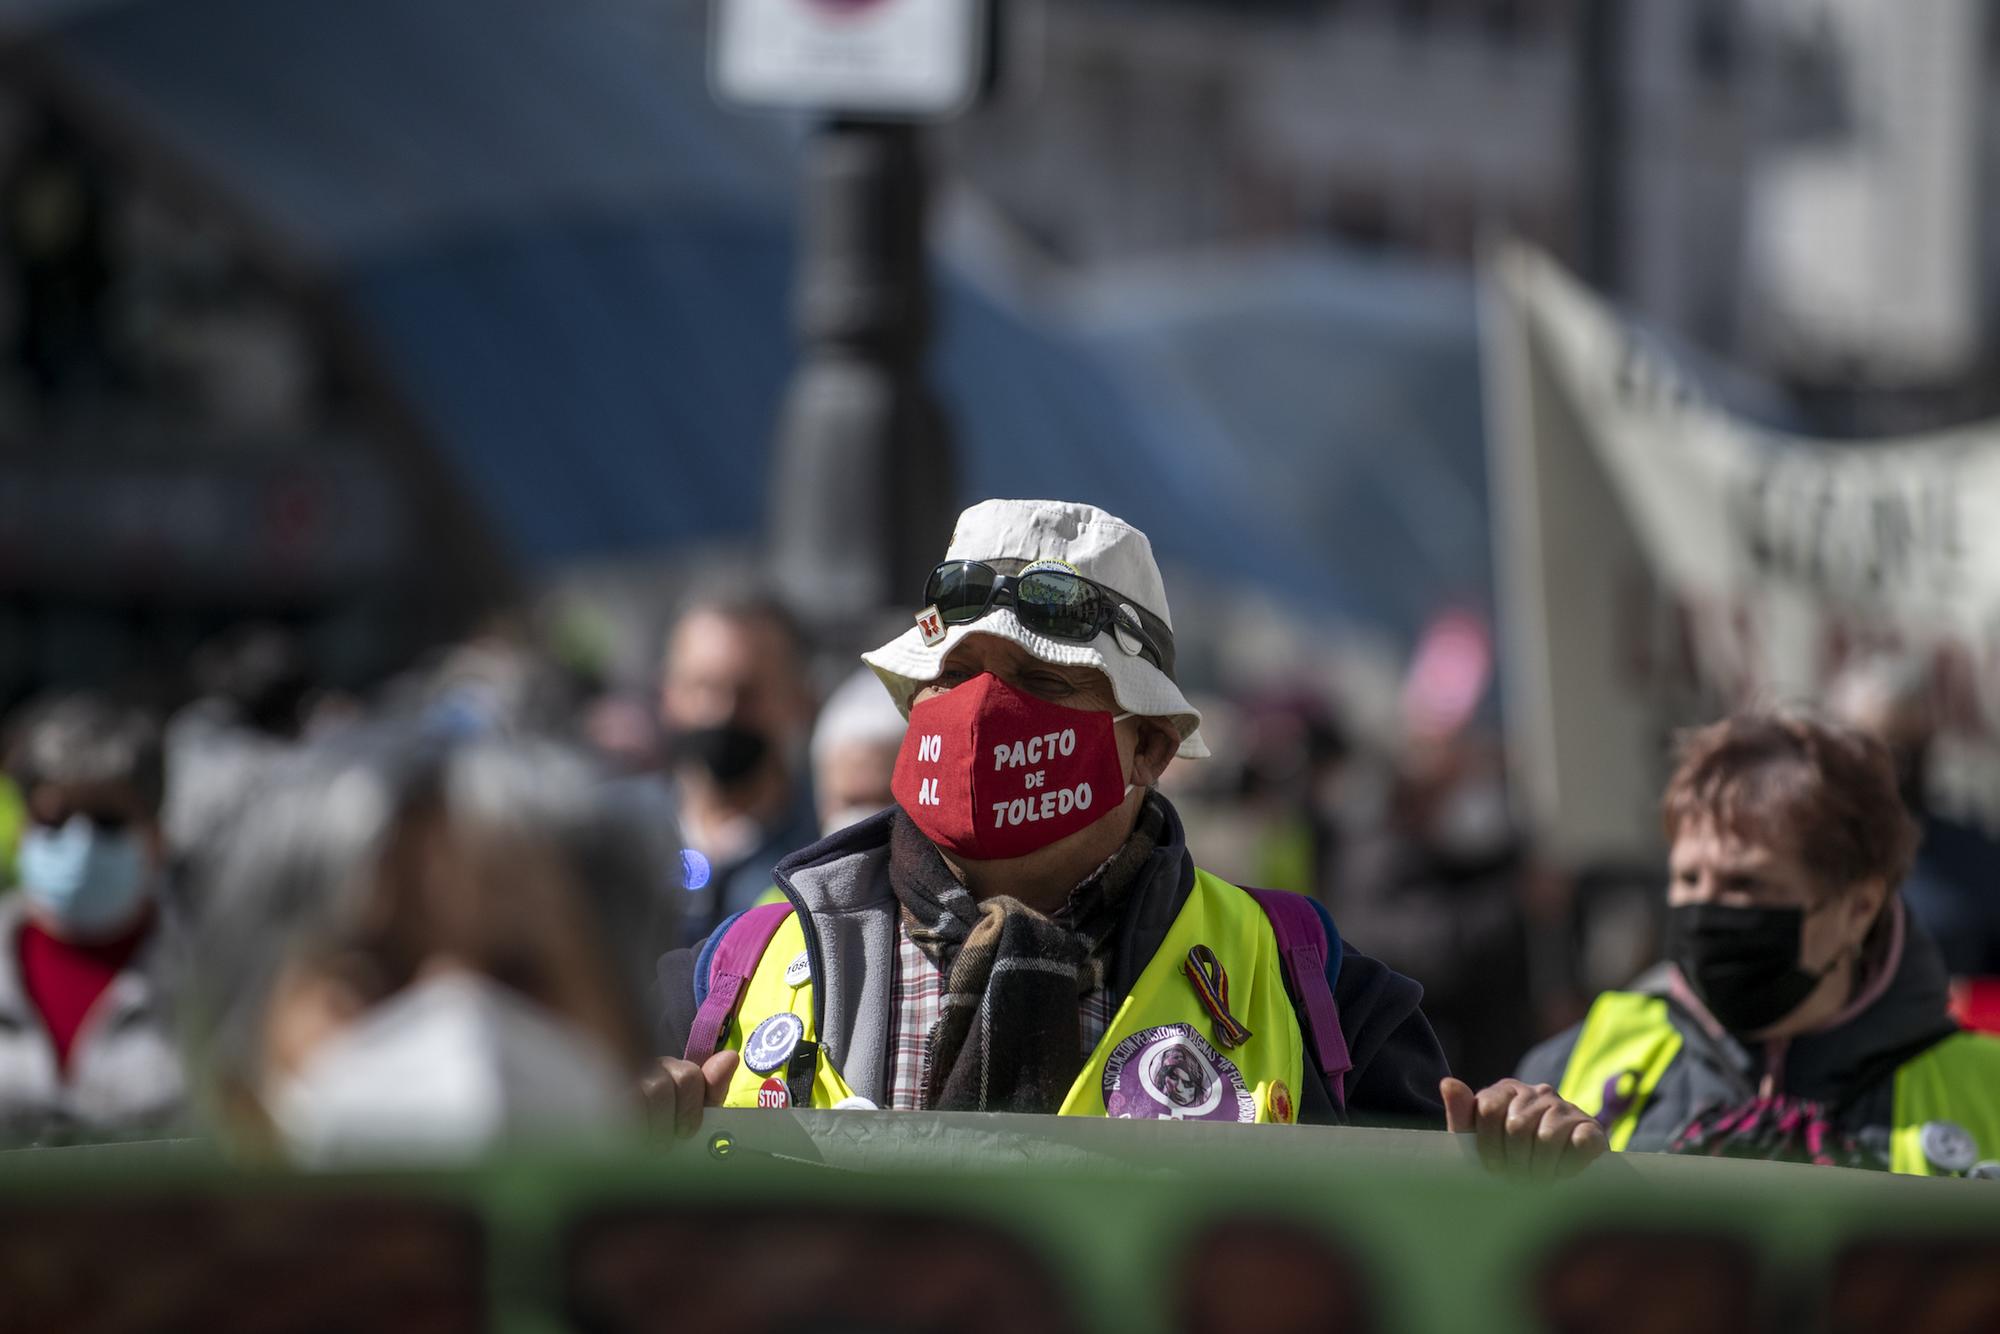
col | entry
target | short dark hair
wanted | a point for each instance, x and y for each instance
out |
(1822, 790)
(80, 738)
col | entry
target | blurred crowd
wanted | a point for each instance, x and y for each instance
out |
(306, 914)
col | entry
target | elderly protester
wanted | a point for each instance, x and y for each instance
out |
(414, 946)
(86, 1013)
(1801, 1011)
(1026, 930)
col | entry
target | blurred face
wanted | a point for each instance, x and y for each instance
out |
(474, 992)
(443, 900)
(111, 807)
(732, 670)
(1709, 865)
(88, 859)
(852, 779)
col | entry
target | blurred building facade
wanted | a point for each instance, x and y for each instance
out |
(187, 436)
(1798, 185)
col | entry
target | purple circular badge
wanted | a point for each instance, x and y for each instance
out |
(772, 1042)
(1170, 1073)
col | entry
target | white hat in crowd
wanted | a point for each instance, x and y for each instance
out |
(1102, 548)
(856, 713)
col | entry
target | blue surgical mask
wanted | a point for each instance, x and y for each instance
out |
(84, 878)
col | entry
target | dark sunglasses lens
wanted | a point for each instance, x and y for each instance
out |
(232, 1265)
(1650, 1283)
(1263, 1276)
(1058, 604)
(785, 1272)
(959, 590)
(1928, 1286)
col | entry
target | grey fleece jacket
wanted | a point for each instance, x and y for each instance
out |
(1850, 1069)
(840, 886)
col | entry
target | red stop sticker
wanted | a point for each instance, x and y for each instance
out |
(773, 1093)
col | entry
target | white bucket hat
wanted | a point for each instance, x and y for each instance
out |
(1098, 546)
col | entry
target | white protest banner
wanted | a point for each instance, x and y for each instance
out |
(1661, 560)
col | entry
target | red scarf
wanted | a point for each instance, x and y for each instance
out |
(64, 979)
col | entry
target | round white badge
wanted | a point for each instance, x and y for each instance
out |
(771, 1042)
(855, 1103)
(1947, 1147)
(1124, 630)
(799, 971)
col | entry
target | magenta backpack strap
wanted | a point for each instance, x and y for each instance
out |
(735, 959)
(1302, 948)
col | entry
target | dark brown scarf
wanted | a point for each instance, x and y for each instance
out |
(1008, 1040)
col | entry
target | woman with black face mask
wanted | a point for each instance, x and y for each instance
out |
(1800, 1013)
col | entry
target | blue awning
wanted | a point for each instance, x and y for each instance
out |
(576, 268)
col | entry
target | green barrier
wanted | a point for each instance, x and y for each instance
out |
(801, 1222)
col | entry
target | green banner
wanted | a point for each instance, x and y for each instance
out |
(848, 1221)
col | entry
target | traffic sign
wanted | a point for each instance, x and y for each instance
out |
(906, 59)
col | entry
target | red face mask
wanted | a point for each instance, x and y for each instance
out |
(989, 773)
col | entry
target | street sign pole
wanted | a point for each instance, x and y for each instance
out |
(864, 483)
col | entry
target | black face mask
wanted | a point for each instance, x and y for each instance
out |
(729, 752)
(1742, 962)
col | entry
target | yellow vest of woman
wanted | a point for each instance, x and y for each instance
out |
(1628, 1043)
(1159, 1058)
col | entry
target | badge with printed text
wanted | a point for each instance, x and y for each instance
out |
(1171, 1073)
(773, 1093)
(799, 971)
(771, 1042)
(931, 626)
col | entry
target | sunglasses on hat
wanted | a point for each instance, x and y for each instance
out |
(1051, 601)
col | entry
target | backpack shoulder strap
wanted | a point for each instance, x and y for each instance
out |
(1304, 951)
(730, 965)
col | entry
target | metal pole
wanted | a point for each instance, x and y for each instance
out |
(864, 484)
(1600, 141)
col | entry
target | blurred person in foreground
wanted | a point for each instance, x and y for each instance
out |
(1801, 1012)
(1026, 930)
(854, 745)
(86, 995)
(420, 947)
(735, 705)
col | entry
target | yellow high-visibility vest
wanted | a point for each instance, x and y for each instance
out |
(1628, 1042)
(1159, 1056)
